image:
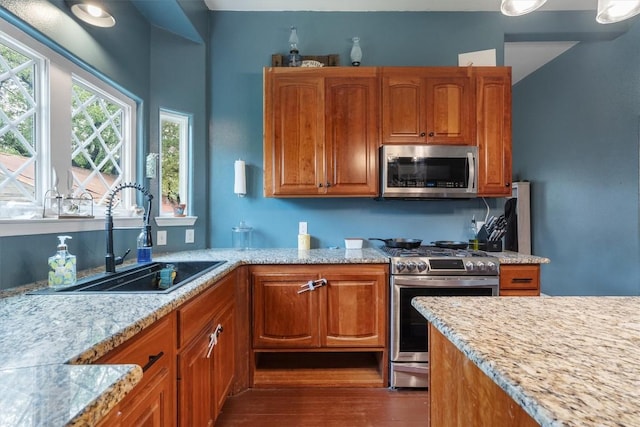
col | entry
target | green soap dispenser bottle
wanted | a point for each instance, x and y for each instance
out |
(62, 266)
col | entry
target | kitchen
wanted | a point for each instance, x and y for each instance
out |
(564, 211)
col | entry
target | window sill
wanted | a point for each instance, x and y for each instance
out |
(175, 221)
(17, 227)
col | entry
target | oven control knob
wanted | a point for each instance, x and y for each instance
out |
(481, 266)
(470, 266)
(411, 266)
(422, 266)
(400, 266)
(491, 266)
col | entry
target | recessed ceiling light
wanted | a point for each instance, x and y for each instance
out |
(92, 12)
(610, 11)
(520, 7)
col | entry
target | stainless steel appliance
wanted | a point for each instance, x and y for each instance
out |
(429, 271)
(428, 171)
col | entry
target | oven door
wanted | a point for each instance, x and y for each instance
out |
(408, 327)
(435, 171)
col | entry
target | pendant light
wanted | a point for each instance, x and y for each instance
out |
(611, 11)
(520, 7)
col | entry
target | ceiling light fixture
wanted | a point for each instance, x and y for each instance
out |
(611, 11)
(520, 7)
(92, 12)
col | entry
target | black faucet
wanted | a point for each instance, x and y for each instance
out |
(110, 260)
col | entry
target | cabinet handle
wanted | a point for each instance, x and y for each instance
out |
(328, 184)
(320, 185)
(152, 359)
(508, 184)
(312, 284)
(522, 280)
(423, 134)
(431, 134)
(213, 339)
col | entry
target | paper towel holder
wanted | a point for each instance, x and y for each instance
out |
(240, 179)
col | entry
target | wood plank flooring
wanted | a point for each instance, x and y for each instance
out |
(326, 407)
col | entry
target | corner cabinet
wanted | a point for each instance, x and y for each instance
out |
(206, 356)
(321, 132)
(493, 127)
(332, 335)
(427, 105)
(152, 401)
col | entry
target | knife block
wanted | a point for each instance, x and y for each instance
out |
(494, 246)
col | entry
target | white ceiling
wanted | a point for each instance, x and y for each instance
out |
(386, 5)
(524, 58)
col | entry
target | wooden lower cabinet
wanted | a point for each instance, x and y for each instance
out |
(460, 394)
(206, 359)
(520, 280)
(333, 335)
(152, 402)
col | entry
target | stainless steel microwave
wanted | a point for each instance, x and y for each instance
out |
(428, 171)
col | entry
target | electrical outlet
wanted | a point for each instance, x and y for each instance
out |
(189, 235)
(161, 237)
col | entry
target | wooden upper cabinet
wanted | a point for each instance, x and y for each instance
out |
(424, 105)
(493, 115)
(321, 132)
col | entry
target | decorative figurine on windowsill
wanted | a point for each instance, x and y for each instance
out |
(179, 209)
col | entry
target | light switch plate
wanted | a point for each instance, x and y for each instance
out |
(161, 237)
(189, 235)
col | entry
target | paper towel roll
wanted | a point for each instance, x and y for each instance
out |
(240, 182)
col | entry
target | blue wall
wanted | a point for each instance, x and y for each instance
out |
(242, 44)
(576, 135)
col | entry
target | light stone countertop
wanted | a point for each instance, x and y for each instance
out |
(47, 341)
(568, 361)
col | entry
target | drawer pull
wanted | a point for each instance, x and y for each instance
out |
(312, 284)
(152, 359)
(522, 280)
(213, 339)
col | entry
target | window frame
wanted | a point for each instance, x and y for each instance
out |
(185, 120)
(54, 124)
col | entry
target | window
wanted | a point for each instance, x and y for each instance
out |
(61, 128)
(175, 137)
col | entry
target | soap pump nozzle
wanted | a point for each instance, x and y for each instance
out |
(62, 246)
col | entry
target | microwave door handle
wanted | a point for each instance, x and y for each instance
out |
(472, 172)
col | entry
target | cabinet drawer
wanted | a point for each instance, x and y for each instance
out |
(149, 347)
(519, 277)
(195, 314)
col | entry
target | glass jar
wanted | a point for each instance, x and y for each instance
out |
(241, 237)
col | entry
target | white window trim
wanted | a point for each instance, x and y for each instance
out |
(185, 122)
(61, 71)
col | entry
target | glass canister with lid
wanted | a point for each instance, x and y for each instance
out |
(241, 236)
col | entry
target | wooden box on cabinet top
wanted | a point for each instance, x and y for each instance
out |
(321, 132)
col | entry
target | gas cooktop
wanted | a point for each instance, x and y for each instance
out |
(436, 261)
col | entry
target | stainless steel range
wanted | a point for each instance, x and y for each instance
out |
(429, 271)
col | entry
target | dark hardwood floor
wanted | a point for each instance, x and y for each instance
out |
(326, 407)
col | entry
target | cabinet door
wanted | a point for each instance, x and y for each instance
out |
(195, 382)
(152, 401)
(351, 135)
(355, 304)
(493, 93)
(282, 317)
(449, 109)
(403, 109)
(224, 356)
(294, 135)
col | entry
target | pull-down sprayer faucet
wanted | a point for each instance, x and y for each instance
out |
(110, 259)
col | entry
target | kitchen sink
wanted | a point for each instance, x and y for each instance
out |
(140, 278)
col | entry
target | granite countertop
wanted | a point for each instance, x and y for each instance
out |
(47, 341)
(508, 257)
(568, 361)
